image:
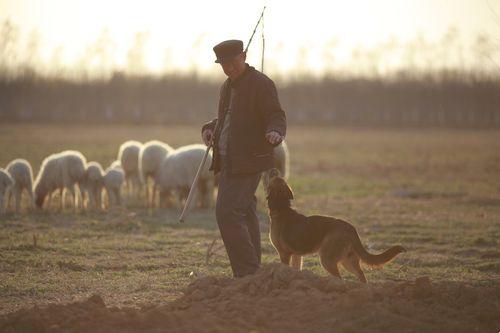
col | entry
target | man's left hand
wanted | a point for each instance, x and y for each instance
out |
(274, 137)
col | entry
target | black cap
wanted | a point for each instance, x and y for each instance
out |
(227, 50)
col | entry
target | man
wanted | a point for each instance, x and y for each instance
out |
(249, 125)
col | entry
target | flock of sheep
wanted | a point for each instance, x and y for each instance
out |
(170, 171)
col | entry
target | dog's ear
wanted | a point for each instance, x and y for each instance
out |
(287, 191)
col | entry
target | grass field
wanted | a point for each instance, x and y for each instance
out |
(434, 191)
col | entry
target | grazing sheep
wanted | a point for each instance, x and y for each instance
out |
(151, 157)
(116, 165)
(61, 172)
(93, 184)
(281, 162)
(113, 181)
(6, 182)
(178, 171)
(128, 156)
(21, 172)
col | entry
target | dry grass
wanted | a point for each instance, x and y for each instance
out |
(436, 192)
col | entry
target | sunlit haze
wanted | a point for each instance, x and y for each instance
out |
(312, 36)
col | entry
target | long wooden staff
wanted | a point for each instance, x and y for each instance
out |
(193, 186)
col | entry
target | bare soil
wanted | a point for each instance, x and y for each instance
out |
(280, 299)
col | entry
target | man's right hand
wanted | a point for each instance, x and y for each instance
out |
(208, 136)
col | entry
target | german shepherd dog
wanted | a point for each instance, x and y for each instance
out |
(294, 235)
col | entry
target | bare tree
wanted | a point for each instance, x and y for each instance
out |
(136, 62)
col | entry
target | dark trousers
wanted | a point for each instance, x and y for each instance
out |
(236, 216)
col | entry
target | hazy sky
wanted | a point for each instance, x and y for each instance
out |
(180, 34)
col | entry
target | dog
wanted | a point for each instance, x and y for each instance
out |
(294, 235)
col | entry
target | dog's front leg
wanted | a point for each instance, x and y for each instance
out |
(297, 261)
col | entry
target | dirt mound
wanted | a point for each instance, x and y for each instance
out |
(280, 299)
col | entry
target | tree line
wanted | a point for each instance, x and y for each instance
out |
(449, 99)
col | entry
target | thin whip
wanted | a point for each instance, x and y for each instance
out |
(254, 30)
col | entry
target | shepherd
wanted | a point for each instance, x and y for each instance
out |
(249, 124)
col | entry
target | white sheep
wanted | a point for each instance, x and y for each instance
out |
(21, 172)
(128, 156)
(281, 162)
(114, 178)
(178, 171)
(116, 165)
(6, 182)
(93, 184)
(61, 172)
(151, 157)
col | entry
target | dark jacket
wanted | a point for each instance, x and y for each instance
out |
(255, 111)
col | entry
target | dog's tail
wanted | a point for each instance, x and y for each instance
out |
(374, 259)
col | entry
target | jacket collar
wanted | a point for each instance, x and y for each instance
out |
(236, 83)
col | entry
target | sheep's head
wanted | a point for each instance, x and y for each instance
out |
(6, 181)
(40, 195)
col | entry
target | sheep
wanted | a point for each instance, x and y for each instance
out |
(93, 184)
(21, 172)
(116, 165)
(128, 156)
(61, 172)
(6, 182)
(151, 157)
(113, 180)
(281, 162)
(177, 173)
